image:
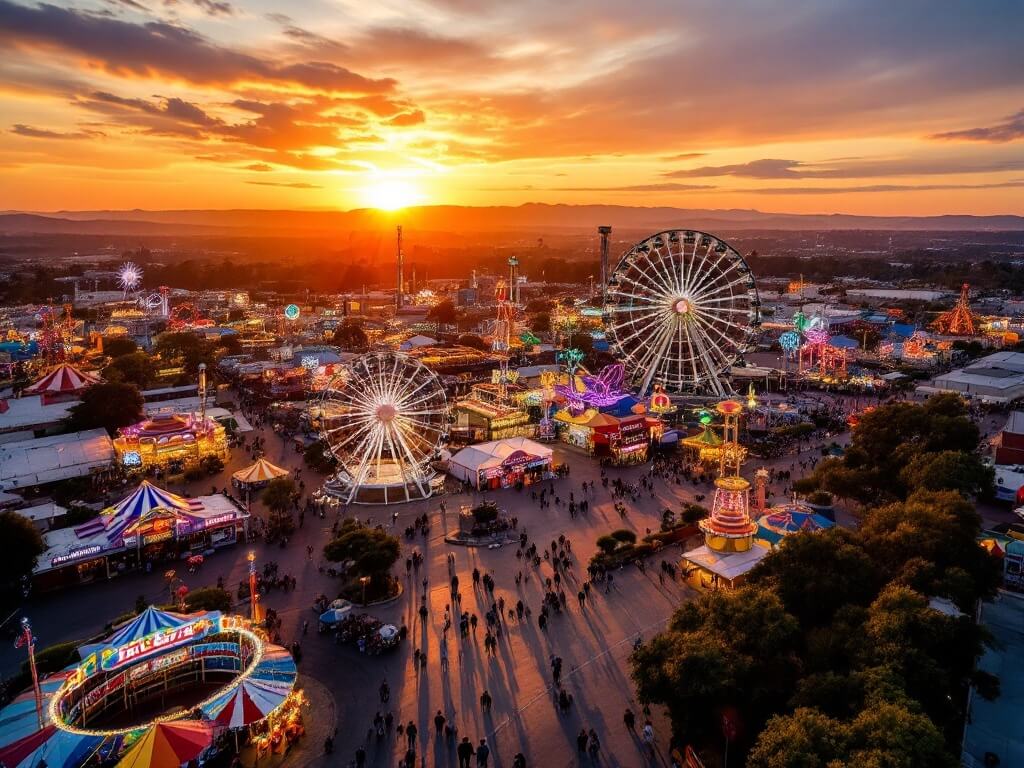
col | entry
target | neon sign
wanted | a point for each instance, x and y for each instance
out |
(76, 554)
(157, 642)
(291, 312)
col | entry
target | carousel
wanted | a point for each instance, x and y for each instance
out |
(160, 691)
(170, 443)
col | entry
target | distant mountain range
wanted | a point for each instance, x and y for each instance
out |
(533, 217)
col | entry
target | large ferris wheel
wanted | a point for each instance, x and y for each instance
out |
(682, 309)
(384, 418)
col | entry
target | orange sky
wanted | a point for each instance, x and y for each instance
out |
(858, 106)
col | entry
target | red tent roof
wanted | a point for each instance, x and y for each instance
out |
(64, 379)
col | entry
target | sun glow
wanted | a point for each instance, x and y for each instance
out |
(391, 195)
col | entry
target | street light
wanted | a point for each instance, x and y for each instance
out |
(253, 597)
(364, 580)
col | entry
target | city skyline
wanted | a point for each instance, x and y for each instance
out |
(861, 108)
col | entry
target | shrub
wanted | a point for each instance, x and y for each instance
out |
(624, 535)
(820, 498)
(54, 658)
(694, 512)
(208, 599)
(485, 512)
(607, 544)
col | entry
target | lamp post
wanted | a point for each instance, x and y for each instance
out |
(28, 640)
(254, 609)
(364, 580)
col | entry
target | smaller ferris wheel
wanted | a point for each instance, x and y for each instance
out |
(384, 417)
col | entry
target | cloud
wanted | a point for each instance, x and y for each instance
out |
(879, 188)
(158, 48)
(261, 167)
(290, 184)
(1011, 129)
(404, 119)
(684, 156)
(215, 7)
(42, 133)
(668, 186)
(858, 168)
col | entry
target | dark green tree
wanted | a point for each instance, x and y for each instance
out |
(116, 346)
(443, 313)
(107, 405)
(350, 336)
(20, 546)
(136, 368)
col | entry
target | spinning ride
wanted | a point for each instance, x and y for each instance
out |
(384, 418)
(682, 309)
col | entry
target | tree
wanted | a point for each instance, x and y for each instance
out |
(350, 336)
(108, 405)
(949, 470)
(278, 497)
(472, 340)
(116, 346)
(186, 348)
(208, 599)
(21, 544)
(230, 344)
(805, 739)
(372, 551)
(443, 313)
(541, 322)
(318, 457)
(136, 368)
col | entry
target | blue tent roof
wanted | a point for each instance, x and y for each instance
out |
(146, 623)
(903, 330)
(144, 499)
(622, 408)
(843, 342)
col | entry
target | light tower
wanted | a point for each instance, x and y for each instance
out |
(604, 231)
(513, 279)
(729, 528)
(398, 252)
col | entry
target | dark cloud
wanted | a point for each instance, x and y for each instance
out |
(42, 133)
(404, 119)
(684, 156)
(160, 48)
(128, 4)
(1010, 129)
(756, 169)
(261, 167)
(167, 117)
(215, 7)
(290, 184)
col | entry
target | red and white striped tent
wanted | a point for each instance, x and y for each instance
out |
(64, 379)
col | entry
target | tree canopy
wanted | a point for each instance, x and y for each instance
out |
(350, 336)
(20, 544)
(371, 549)
(136, 368)
(116, 346)
(110, 405)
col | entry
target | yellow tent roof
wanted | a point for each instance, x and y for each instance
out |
(260, 472)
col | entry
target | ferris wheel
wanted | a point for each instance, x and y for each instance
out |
(384, 418)
(682, 308)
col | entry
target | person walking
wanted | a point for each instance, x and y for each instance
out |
(519, 761)
(648, 734)
(385, 692)
(465, 752)
(439, 721)
(485, 701)
(629, 719)
(483, 753)
(595, 746)
(581, 741)
(410, 733)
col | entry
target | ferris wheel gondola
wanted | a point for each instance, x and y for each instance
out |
(682, 309)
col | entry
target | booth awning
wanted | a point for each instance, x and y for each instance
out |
(260, 472)
(64, 379)
(169, 745)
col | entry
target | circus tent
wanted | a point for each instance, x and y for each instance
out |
(169, 745)
(52, 747)
(63, 380)
(257, 695)
(780, 522)
(260, 472)
(146, 498)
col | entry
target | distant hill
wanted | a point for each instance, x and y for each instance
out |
(533, 217)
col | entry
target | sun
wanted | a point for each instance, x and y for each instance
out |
(391, 195)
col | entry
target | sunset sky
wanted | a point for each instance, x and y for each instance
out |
(887, 107)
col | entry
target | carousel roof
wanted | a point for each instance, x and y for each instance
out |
(260, 472)
(18, 720)
(64, 379)
(51, 747)
(146, 498)
(779, 522)
(706, 439)
(146, 623)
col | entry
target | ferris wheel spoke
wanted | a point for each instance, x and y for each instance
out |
(406, 399)
(720, 289)
(651, 280)
(710, 318)
(697, 269)
(360, 476)
(649, 299)
(657, 356)
(663, 267)
(412, 460)
(641, 326)
(689, 265)
(704, 347)
(714, 275)
(718, 350)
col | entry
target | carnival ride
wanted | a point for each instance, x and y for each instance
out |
(960, 320)
(682, 308)
(57, 332)
(156, 301)
(129, 277)
(220, 673)
(384, 419)
(186, 316)
(729, 528)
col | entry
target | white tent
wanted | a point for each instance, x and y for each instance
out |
(472, 462)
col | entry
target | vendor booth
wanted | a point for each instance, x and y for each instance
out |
(502, 463)
(170, 443)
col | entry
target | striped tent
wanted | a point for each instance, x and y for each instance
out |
(277, 665)
(169, 745)
(146, 498)
(64, 379)
(249, 702)
(146, 623)
(260, 472)
(19, 721)
(780, 522)
(59, 749)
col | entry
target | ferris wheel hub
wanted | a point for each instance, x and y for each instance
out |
(682, 306)
(386, 412)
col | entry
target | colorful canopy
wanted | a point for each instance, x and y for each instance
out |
(260, 472)
(59, 749)
(64, 379)
(169, 745)
(146, 623)
(258, 695)
(145, 498)
(18, 720)
(788, 520)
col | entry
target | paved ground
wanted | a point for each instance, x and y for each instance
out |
(594, 642)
